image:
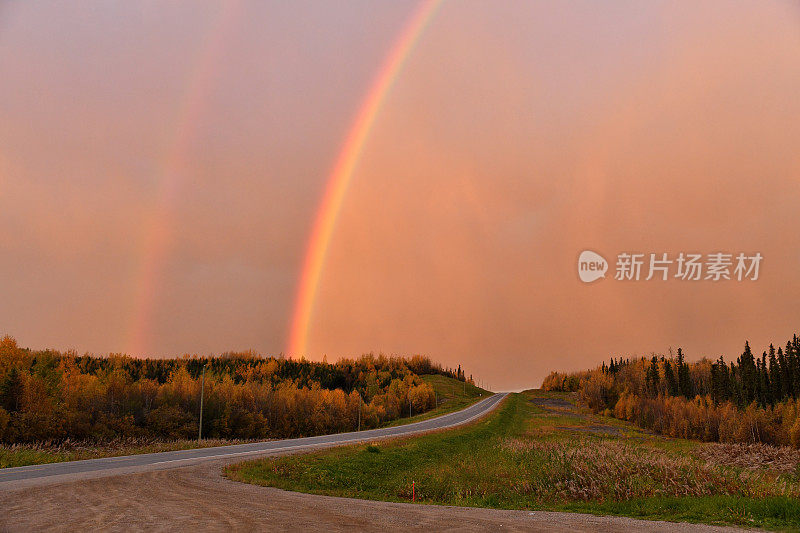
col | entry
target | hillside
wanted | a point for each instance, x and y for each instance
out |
(450, 394)
(60, 405)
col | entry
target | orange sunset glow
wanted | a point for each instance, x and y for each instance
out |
(414, 177)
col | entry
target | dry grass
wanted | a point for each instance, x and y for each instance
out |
(586, 469)
(69, 450)
(128, 443)
(751, 456)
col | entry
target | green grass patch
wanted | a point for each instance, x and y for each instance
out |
(356, 471)
(24, 456)
(776, 513)
(542, 456)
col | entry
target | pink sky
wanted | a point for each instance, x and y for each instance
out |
(516, 136)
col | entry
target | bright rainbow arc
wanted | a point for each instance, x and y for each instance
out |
(342, 174)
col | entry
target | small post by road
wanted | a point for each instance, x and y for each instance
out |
(359, 412)
(202, 391)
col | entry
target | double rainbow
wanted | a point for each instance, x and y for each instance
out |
(157, 236)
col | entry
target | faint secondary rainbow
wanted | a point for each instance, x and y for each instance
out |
(342, 173)
(172, 173)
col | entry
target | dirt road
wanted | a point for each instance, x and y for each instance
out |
(198, 498)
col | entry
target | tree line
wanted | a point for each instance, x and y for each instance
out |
(48, 395)
(751, 399)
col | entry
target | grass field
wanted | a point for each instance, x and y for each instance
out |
(452, 395)
(539, 451)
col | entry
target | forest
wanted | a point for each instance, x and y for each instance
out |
(752, 399)
(50, 396)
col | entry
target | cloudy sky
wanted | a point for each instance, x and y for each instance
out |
(161, 165)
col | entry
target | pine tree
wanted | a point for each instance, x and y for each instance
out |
(736, 393)
(749, 374)
(11, 391)
(684, 379)
(793, 361)
(786, 371)
(775, 378)
(670, 380)
(764, 387)
(720, 381)
(652, 377)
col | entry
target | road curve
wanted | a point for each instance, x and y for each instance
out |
(169, 492)
(11, 478)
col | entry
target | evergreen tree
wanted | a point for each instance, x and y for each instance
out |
(684, 379)
(793, 362)
(11, 390)
(764, 389)
(775, 378)
(652, 377)
(670, 379)
(786, 371)
(736, 393)
(748, 374)
(720, 381)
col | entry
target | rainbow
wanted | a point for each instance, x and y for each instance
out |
(174, 168)
(342, 173)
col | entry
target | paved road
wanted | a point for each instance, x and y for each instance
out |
(12, 478)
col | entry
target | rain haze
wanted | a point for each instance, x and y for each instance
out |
(162, 166)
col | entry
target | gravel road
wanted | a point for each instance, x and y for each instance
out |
(198, 498)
